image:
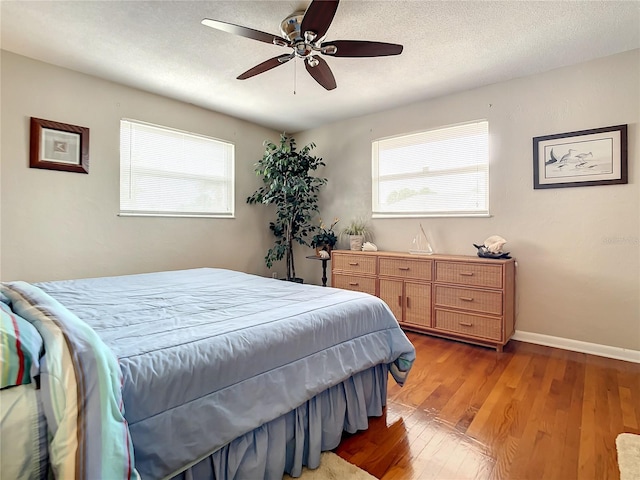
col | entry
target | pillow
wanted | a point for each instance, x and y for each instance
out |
(20, 349)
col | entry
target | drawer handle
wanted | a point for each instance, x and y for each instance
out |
(353, 263)
(408, 303)
(404, 269)
(466, 299)
(466, 274)
(353, 284)
(400, 300)
(466, 324)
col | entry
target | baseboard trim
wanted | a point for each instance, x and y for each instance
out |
(578, 346)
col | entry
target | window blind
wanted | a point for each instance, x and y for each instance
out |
(167, 172)
(441, 172)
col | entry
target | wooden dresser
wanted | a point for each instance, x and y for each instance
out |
(461, 297)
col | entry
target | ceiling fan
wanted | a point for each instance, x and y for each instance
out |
(304, 32)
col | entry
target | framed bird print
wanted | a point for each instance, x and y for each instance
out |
(580, 159)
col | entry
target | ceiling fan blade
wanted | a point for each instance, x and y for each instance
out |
(318, 17)
(264, 66)
(321, 73)
(362, 48)
(242, 31)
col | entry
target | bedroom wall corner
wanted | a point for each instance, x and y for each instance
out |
(578, 249)
(59, 225)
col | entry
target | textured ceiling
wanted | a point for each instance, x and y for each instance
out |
(449, 46)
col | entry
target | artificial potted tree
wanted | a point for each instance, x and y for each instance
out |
(290, 187)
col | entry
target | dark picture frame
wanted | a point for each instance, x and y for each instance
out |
(580, 159)
(59, 146)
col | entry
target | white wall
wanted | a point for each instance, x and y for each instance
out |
(577, 248)
(59, 225)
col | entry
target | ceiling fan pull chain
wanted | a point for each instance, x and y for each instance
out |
(295, 78)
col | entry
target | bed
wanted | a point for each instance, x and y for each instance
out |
(192, 374)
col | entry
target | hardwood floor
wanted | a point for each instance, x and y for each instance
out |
(531, 412)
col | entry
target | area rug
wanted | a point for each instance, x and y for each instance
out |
(332, 467)
(628, 447)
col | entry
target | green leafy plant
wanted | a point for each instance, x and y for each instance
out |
(325, 236)
(289, 186)
(358, 226)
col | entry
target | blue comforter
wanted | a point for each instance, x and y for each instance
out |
(208, 355)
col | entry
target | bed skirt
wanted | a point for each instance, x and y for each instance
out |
(297, 438)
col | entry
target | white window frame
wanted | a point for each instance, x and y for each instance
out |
(480, 170)
(132, 172)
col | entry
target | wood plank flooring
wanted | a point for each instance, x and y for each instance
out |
(530, 412)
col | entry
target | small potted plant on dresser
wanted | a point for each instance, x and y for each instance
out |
(357, 231)
(325, 238)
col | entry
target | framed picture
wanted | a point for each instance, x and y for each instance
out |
(59, 146)
(580, 159)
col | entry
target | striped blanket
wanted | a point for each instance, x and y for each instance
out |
(81, 386)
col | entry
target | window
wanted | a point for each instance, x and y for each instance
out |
(443, 172)
(166, 172)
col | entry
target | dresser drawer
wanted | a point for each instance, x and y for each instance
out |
(405, 268)
(469, 274)
(483, 301)
(353, 282)
(471, 325)
(354, 263)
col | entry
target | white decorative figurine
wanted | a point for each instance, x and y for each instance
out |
(369, 247)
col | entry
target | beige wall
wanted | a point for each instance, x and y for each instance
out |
(58, 225)
(577, 248)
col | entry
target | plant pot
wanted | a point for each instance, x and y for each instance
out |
(355, 242)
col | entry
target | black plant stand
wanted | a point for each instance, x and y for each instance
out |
(324, 267)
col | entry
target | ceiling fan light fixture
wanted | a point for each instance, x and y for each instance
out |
(302, 49)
